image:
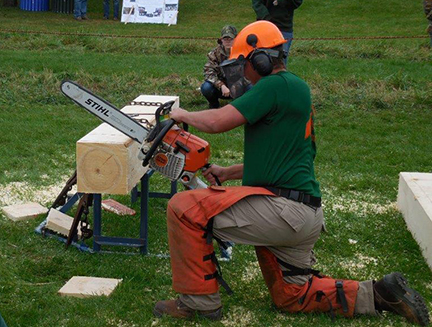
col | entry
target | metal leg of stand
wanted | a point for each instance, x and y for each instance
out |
(144, 212)
(144, 195)
(134, 194)
(69, 203)
(97, 220)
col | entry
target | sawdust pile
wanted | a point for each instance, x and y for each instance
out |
(23, 192)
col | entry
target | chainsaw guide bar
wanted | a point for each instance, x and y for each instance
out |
(104, 111)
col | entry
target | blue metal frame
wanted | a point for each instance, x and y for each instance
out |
(98, 239)
(144, 194)
(46, 232)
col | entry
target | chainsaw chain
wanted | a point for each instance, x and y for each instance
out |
(86, 231)
(146, 104)
(143, 121)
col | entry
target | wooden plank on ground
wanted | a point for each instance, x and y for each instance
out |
(112, 205)
(415, 203)
(81, 286)
(18, 212)
(107, 160)
(60, 223)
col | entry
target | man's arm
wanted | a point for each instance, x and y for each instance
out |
(211, 121)
(261, 10)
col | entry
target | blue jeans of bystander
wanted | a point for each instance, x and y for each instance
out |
(212, 94)
(287, 36)
(80, 8)
(106, 8)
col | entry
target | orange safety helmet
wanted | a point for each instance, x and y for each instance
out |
(261, 34)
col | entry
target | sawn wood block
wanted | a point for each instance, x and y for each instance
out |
(118, 208)
(80, 286)
(60, 223)
(24, 211)
(107, 160)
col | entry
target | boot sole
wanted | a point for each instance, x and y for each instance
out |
(414, 300)
(157, 314)
(215, 316)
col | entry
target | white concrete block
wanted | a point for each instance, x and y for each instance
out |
(415, 203)
(24, 211)
(81, 286)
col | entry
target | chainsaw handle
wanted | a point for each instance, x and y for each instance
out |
(161, 129)
(218, 182)
(168, 124)
(163, 110)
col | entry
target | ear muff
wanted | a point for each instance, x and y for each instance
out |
(259, 58)
(261, 62)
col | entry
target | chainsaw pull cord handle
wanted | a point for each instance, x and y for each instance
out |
(218, 182)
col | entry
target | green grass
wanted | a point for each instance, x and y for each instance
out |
(373, 119)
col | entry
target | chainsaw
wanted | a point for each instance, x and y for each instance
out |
(164, 146)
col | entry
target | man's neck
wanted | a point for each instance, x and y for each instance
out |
(277, 70)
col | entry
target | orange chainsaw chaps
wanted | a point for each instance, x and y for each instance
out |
(199, 149)
(188, 214)
(315, 296)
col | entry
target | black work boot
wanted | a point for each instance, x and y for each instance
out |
(177, 309)
(393, 294)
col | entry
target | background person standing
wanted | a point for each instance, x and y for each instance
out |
(427, 5)
(280, 13)
(80, 10)
(106, 9)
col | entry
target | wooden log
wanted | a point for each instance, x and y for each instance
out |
(107, 160)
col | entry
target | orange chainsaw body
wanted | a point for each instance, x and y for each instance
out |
(198, 155)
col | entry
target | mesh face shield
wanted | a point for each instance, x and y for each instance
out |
(234, 74)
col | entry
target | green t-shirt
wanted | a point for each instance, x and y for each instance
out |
(278, 149)
(2, 322)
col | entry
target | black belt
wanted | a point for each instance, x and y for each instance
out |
(295, 196)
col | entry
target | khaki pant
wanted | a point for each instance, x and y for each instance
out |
(287, 228)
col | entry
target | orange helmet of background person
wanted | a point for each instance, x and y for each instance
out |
(267, 34)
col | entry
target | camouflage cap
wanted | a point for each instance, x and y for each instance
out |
(229, 31)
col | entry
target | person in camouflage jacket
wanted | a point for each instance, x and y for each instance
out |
(215, 86)
(427, 5)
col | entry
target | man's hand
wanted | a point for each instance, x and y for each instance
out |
(225, 91)
(178, 114)
(215, 170)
